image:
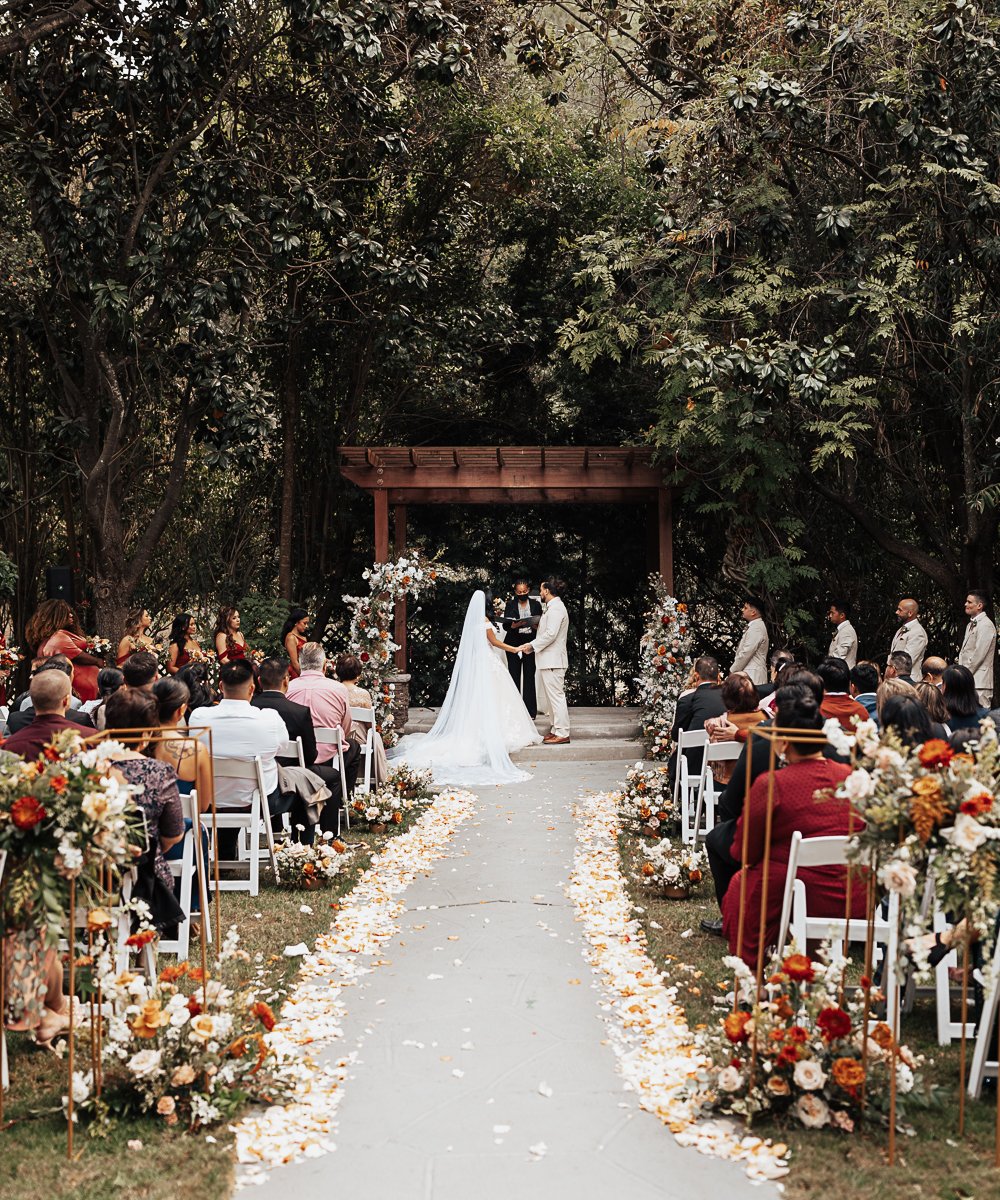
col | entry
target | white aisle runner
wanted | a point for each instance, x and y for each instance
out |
(483, 1072)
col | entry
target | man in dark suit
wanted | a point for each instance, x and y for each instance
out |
(694, 709)
(273, 675)
(20, 718)
(520, 620)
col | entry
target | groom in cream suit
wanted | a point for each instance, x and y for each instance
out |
(979, 646)
(549, 647)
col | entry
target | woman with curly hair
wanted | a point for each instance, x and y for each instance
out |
(136, 638)
(182, 644)
(230, 643)
(54, 628)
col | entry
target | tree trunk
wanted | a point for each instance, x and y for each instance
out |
(289, 427)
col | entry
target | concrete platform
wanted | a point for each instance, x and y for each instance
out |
(483, 1069)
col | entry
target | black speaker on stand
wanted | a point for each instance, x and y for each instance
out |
(59, 584)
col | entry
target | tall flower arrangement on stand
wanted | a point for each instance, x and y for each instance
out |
(665, 661)
(410, 577)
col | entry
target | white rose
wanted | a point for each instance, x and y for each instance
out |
(899, 877)
(729, 1080)
(857, 786)
(671, 872)
(144, 1063)
(809, 1075)
(904, 1077)
(812, 1111)
(967, 834)
(179, 1017)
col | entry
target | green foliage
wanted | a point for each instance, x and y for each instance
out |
(261, 620)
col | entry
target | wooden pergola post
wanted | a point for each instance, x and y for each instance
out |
(665, 526)
(381, 525)
(399, 632)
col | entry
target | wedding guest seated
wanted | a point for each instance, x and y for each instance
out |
(135, 709)
(779, 660)
(743, 711)
(46, 1014)
(933, 670)
(910, 721)
(50, 692)
(838, 703)
(273, 676)
(241, 731)
(349, 670)
(195, 677)
(864, 686)
(136, 638)
(892, 686)
(54, 628)
(898, 666)
(796, 808)
(182, 643)
(141, 670)
(932, 700)
(695, 707)
(58, 664)
(109, 681)
(958, 688)
(733, 796)
(330, 705)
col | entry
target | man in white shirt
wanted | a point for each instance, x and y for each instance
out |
(751, 653)
(552, 661)
(844, 643)
(241, 731)
(911, 636)
(979, 646)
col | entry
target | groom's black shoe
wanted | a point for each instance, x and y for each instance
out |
(713, 926)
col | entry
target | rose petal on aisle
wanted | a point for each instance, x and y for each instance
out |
(312, 1016)
(656, 1050)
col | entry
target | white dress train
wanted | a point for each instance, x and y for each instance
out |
(482, 719)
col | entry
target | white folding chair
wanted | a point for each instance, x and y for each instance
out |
(948, 1030)
(704, 811)
(686, 781)
(4, 1077)
(365, 716)
(251, 821)
(327, 735)
(795, 918)
(983, 1063)
(185, 869)
(292, 749)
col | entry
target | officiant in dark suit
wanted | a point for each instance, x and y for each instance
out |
(520, 620)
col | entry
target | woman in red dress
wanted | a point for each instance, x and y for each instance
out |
(293, 638)
(182, 644)
(137, 625)
(54, 628)
(796, 808)
(230, 644)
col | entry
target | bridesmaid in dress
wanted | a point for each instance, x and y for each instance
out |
(182, 644)
(137, 625)
(230, 643)
(293, 638)
(54, 628)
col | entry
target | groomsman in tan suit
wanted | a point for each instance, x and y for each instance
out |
(751, 653)
(911, 637)
(844, 643)
(979, 646)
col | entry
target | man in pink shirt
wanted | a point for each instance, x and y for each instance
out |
(329, 703)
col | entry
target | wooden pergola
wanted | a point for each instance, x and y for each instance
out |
(398, 476)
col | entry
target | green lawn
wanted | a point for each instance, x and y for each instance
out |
(933, 1163)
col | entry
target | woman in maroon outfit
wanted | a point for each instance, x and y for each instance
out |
(796, 808)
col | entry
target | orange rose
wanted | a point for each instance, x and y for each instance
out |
(848, 1073)
(150, 1020)
(695, 875)
(735, 1026)
(935, 753)
(58, 783)
(397, 818)
(799, 968)
(98, 919)
(264, 1014)
(881, 1035)
(648, 869)
(339, 846)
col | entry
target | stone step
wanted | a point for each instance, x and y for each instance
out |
(587, 724)
(621, 750)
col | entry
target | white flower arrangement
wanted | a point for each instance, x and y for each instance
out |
(667, 866)
(644, 800)
(664, 662)
(310, 866)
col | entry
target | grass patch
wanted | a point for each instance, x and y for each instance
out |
(33, 1164)
(932, 1165)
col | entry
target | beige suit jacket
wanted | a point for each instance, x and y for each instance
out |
(844, 644)
(978, 649)
(751, 653)
(912, 637)
(549, 642)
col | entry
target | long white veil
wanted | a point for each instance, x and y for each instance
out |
(466, 744)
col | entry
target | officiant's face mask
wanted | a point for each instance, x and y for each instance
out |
(522, 591)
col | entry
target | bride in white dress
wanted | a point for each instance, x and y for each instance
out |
(483, 717)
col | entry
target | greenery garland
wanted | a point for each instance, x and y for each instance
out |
(664, 663)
